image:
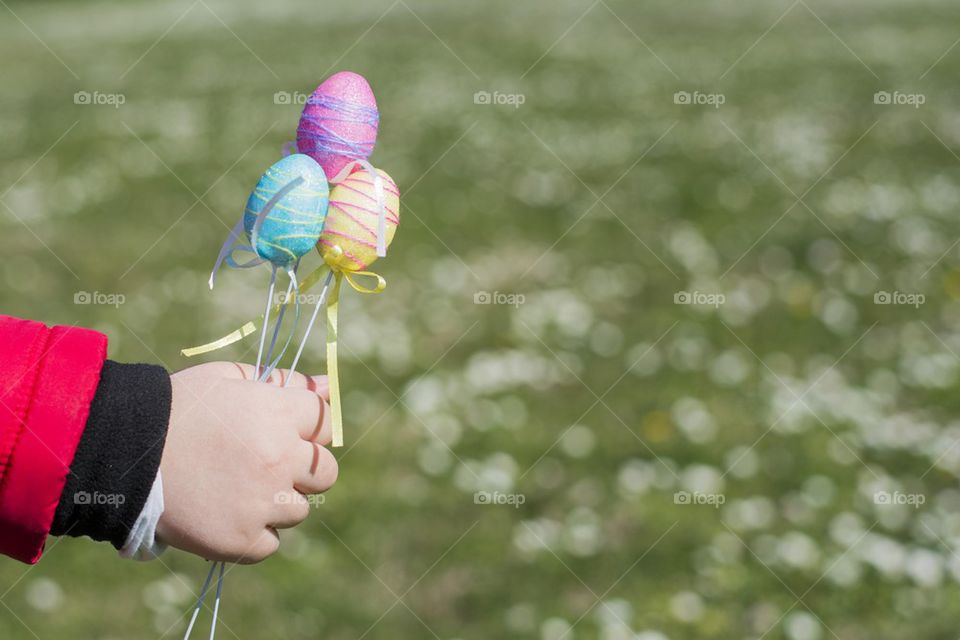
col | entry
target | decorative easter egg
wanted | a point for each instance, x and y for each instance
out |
(339, 122)
(296, 190)
(353, 216)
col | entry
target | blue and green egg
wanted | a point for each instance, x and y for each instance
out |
(293, 225)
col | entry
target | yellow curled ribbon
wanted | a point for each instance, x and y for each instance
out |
(251, 327)
(335, 263)
(334, 259)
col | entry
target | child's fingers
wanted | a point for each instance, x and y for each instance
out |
(317, 384)
(323, 387)
(291, 509)
(310, 414)
(318, 469)
(325, 435)
(262, 548)
(278, 377)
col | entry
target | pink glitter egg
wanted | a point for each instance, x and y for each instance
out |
(339, 122)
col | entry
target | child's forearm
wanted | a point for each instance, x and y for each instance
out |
(83, 443)
(48, 378)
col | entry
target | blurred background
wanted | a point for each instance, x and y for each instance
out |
(670, 343)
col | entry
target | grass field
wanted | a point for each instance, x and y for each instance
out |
(717, 385)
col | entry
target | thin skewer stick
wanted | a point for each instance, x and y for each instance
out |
(276, 333)
(216, 604)
(266, 318)
(200, 599)
(313, 319)
(270, 365)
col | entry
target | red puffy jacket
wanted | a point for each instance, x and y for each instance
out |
(48, 378)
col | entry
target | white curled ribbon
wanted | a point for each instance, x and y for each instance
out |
(381, 199)
(230, 244)
(292, 288)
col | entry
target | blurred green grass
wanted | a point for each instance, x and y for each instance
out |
(445, 397)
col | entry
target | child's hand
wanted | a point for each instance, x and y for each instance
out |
(238, 456)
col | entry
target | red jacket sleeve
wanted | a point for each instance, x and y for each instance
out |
(48, 378)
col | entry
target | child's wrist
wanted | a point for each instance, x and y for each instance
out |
(118, 457)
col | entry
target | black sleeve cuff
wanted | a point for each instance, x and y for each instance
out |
(118, 455)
